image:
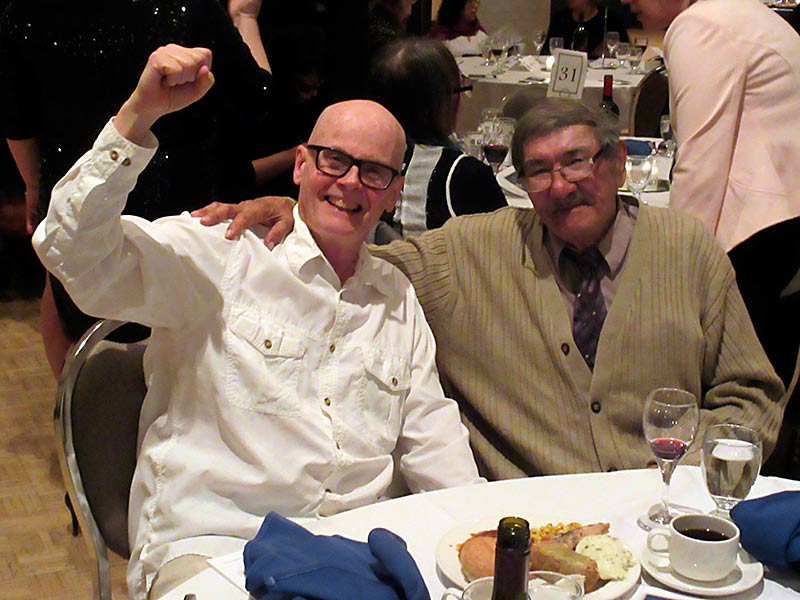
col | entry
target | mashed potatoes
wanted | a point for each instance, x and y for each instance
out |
(612, 558)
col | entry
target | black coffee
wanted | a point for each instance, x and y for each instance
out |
(705, 535)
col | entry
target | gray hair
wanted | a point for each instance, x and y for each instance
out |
(551, 114)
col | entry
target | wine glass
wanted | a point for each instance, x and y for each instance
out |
(612, 41)
(731, 462)
(472, 144)
(538, 41)
(556, 43)
(486, 52)
(669, 420)
(623, 49)
(634, 58)
(638, 170)
(667, 145)
(496, 141)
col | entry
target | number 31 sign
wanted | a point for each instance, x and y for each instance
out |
(568, 74)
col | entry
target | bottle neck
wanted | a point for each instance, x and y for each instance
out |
(608, 87)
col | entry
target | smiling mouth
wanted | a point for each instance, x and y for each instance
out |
(339, 204)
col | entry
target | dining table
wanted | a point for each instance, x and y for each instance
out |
(433, 524)
(491, 87)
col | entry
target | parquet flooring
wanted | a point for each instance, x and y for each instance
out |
(39, 558)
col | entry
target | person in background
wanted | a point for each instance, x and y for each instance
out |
(418, 80)
(734, 80)
(297, 57)
(592, 13)
(458, 26)
(64, 65)
(554, 323)
(316, 346)
(386, 22)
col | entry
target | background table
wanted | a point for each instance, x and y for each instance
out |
(489, 91)
(617, 498)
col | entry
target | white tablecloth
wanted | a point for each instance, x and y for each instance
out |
(489, 91)
(617, 498)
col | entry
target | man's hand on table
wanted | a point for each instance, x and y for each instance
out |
(272, 211)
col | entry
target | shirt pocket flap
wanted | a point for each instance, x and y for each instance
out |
(392, 371)
(270, 341)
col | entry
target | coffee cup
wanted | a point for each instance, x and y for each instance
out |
(700, 547)
(542, 585)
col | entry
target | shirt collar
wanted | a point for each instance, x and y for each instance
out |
(302, 252)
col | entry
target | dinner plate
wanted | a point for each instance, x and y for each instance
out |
(748, 572)
(450, 567)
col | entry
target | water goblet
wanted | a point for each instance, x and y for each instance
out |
(496, 141)
(472, 144)
(556, 43)
(635, 58)
(730, 465)
(669, 421)
(667, 145)
(612, 41)
(638, 171)
(486, 52)
(623, 49)
(538, 41)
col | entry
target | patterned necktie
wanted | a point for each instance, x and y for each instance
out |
(590, 308)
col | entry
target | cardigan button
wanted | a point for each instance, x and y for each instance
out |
(565, 348)
(596, 407)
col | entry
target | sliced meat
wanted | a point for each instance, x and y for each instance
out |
(572, 537)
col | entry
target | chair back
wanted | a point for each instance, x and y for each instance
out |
(515, 105)
(100, 395)
(650, 101)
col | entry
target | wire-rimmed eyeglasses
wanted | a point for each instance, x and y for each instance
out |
(577, 169)
(336, 163)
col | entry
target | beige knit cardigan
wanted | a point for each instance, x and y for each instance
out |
(507, 356)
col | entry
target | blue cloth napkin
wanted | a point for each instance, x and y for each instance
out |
(770, 527)
(638, 147)
(287, 562)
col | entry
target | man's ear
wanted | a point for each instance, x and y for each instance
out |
(301, 156)
(620, 152)
(397, 189)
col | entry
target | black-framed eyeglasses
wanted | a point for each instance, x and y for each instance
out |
(577, 169)
(336, 163)
(463, 88)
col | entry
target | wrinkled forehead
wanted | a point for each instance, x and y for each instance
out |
(560, 143)
(365, 133)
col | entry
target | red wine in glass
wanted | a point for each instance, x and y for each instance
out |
(495, 154)
(668, 448)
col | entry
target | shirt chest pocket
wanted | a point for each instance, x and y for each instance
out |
(385, 385)
(263, 366)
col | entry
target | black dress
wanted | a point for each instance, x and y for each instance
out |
(563, 25)
(66, 67)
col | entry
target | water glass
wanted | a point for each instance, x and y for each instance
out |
(472, 144)
(638, 171)
(538, 41)
(612, 41)
(623, 49)
(635, 58)
(556, 43)
(731, 462)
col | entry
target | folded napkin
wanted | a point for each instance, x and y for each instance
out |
(287, 562)
(638, 147)
(770, 527)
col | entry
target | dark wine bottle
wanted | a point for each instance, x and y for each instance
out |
(580, 37)
(608, 103)
(511, 559)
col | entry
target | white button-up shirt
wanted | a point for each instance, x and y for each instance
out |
(270, 386)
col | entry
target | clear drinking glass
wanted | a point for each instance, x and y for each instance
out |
(472, 144)
(635, 59)
(667, 145)
(669, 421)
(731, 462)
(612, 41)
(538, 41)
(638, 171)
(623, 49)
(556, 43)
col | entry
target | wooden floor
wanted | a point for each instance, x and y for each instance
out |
(39, 558)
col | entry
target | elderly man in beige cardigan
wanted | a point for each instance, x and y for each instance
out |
(506, 298)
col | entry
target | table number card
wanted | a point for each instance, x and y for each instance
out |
(568, 74)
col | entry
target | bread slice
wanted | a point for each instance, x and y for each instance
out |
(558, 557)
(477, 556)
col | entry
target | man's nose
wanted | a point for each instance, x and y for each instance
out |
(351, 177)
(560, 186)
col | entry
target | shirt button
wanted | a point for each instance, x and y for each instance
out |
(327, 401)
(328, 491)
(332, 347)
(394, 381)
(126, 162)
(267, 344)
(565, 349)
(596, 407)
(114, 155)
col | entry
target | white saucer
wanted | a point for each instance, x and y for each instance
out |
(748, 572)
